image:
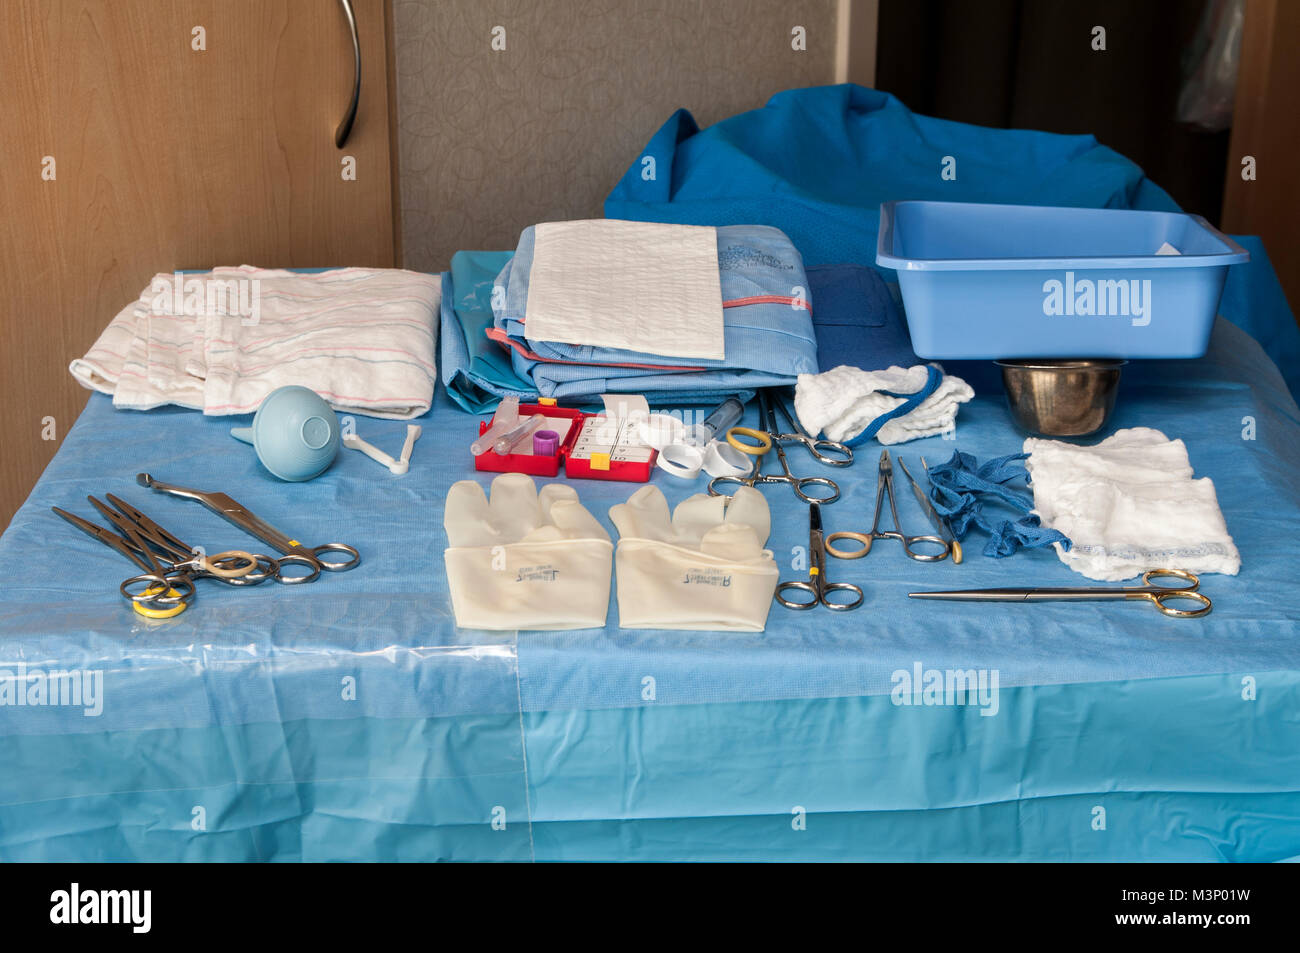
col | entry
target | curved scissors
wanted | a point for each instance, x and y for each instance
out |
(770, 439)
(1158, 595)
(293, 551)
(885, 487)
(817, 586)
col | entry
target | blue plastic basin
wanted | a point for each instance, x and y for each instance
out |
(1016, 281)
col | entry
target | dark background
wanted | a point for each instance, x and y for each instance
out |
(1029, 64)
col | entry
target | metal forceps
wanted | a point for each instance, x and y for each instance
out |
(1155, 593)
(885, 487)
(818, 447)
(230, 567)
(817, 586)
(165, 588)
(293, 551)
(770, 439)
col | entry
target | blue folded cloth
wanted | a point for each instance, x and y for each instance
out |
(857, 321)
(767, 326)
(476, 371)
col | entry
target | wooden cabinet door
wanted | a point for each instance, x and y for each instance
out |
(141, 137)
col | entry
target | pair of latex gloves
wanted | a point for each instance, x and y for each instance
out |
(530, 560)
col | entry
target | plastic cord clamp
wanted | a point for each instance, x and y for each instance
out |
(681, 460)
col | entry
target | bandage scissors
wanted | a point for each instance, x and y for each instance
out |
(1155, 593)
(817, 586)
(293, 551)
(885, 488)
(770, 439)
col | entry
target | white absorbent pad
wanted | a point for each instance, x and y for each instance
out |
(639, 286)
(1129, 504)
(844, 401)
(525, 560)
(703, 569)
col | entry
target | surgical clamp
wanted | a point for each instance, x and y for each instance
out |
(885, 487)
(771, 439)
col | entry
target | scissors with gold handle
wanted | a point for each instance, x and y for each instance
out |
(1157, 594)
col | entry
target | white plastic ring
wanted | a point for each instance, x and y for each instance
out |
(661, 430)
(722, 459)
(681, 460)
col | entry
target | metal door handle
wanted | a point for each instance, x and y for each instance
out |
(345, 125)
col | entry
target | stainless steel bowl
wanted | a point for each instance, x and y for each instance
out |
(1055, 397)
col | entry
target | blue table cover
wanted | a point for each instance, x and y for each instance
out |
(351, 719)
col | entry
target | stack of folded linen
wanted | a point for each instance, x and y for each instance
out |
(362, 338)
(681, 314)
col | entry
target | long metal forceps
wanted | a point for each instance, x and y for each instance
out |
(817, 586)
(885, 488)
(293, 551)
(769, 436)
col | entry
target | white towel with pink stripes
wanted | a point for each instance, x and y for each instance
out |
(365, 339)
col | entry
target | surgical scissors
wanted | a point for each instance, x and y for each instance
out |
(771, 440)
(1155, 593)
(292, 550)
(191, 559)
(167, 589)
(885, 487)
(817, 586)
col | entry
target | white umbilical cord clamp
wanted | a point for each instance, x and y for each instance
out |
(399, 466)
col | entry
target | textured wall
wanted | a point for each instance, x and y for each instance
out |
(490, 142)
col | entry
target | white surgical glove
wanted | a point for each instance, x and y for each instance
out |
(705, 569)
(527, 560)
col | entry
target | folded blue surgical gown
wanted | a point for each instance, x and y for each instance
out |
(767, 325)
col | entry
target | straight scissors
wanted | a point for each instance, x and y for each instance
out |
(770, 439)
(1158, 594)
(293, 552)
(817, 586)
(885, 487)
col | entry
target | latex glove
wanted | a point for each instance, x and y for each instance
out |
(703, 568)
(525, 560)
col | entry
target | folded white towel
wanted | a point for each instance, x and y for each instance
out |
(844, 401)
(1129, 504)
(362, 338)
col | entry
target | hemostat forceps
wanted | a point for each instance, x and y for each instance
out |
(770, 439)
(885, 487)
(249, 522)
